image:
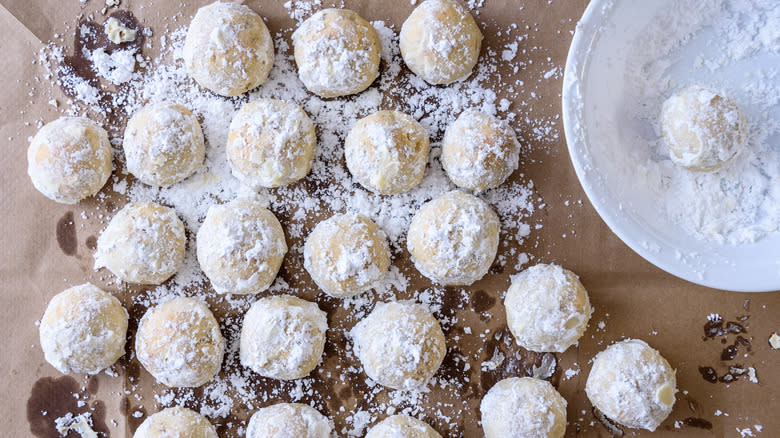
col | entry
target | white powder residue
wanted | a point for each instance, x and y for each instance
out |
(117, 67)
(739, 203)
(300, 10)
(570, 372)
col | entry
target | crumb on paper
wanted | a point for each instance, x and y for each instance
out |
(110, 4)
(494, 362)
(546, 369)
(81, 424)
(751, 372)
(774, 341)
(117, 32)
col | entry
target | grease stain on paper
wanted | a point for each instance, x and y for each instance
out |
(52, 398)
(66, 234)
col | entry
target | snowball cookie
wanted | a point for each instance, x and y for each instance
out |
(453, 239)
(283, 337)
(179, 343)
(285, 420)
(633, 384)
(523, 407)
(228, 49)
(163, 144)
(240, 247)
(143, 243)
(337, 53)
(547, 308)
(270, 143)
(69, 159)
(176, 422)
(479, 151)
(83, 330)
(400, 344)
(346, 254)
(387, 152)
(703, 128)
(402, 426)
(440, 41)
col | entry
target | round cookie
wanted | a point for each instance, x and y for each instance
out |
(240, 247)
(632, 384)
(282, 337)
(270, 143)
(179, 343)
(703, 128)
(547, 308)
(143, 243)
(400, 344)
(387, 152)
(479, 151)
(163, 144)
(176, 422)
(285, 420)
(523, 407)
(453, 239)
(69, 159)
(440, 41)
(402, 426)
(228, 48)
(346, 254)
(337, 53)
(83, 330)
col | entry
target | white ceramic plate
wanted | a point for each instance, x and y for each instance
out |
(597, 127)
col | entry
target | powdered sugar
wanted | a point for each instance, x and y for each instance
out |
(738, 203)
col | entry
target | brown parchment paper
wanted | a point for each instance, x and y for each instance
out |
(47, 247)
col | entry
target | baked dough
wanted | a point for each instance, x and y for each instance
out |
(83, 330)
(179, 343)
(285, 420)
(547, 308)
(631, 383)
(282, 337)
(143, 243)
(346, 254)
(240, 247)
(163, 144)
(337, 53)
(400, 344)
(270, 143)
(440, 41)
(479, 151)
(703, 128)
(228, 48)
(176, 422)
(402, 426)
(387, 152)
(453, 239)
(523, 407)
(69, 159)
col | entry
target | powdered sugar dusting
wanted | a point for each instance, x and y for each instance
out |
(327, 189)
(738, 203)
